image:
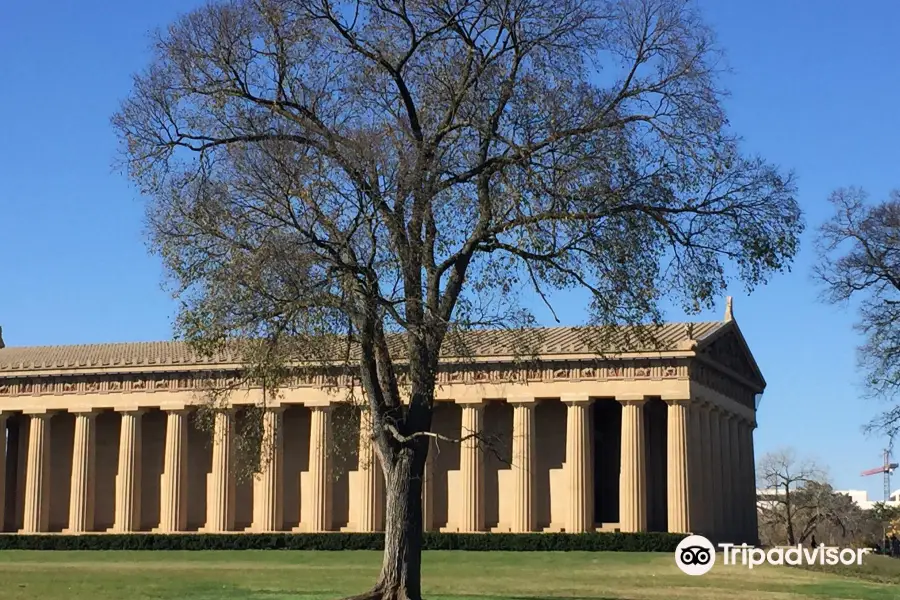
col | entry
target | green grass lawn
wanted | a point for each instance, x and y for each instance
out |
(278, 575)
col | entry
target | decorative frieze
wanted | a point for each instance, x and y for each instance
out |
(486, 373)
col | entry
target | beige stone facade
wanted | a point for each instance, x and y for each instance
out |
(100, 439)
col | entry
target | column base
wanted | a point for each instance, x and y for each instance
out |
(354, 528)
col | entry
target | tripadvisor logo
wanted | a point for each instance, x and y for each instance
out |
(696, 555)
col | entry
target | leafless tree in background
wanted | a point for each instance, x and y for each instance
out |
(795, 497)
(366, 183)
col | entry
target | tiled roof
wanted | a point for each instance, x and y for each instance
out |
(482, 344)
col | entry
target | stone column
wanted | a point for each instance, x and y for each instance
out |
(742, 517)
(320, 469)
(128, 478)
(220, 501)
(737, 510)
(709, 494)
(633, 478)
(428, 491)
(268, 485)
(370, 507)
(678, 453)
(173, 489)
(37, 475)
(750, 491)
(3, 441)
(84, 465)
(698, 499)
(471, 468)
(715, 441)
(728, 474)
(523, 461)
(579, 468)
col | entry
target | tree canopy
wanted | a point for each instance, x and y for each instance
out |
(859, 261)
(321, 174)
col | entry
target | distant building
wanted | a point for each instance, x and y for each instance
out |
(860, 497)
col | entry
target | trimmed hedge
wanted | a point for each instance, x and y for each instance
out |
(517, 542)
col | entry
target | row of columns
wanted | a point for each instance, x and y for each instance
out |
(710, 469)
(267, 486)
(724, 492)
(708, 472)
(710, 481)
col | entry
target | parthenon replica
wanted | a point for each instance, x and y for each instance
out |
(99, 438)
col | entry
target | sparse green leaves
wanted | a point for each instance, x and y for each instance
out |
(351, 186)
(859, 261)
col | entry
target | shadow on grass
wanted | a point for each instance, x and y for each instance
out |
(272, 594)
(561, 597)
(877, 569)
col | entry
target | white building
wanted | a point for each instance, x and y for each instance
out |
(860, 497)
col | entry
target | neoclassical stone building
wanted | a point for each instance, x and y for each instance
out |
(99, 438)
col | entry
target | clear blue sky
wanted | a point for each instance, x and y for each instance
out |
(815, 88)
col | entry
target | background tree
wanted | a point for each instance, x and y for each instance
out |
(859, 259)
(795, 498)
(363, 184)
(882, 521)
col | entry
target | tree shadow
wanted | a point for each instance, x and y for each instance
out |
(563, 597)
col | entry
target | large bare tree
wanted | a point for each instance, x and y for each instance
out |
(373, 179)
(859, 260)
(795, 497)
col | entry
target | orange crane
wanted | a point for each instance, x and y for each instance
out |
(887, 468)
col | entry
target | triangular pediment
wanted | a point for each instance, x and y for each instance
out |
(727, 349)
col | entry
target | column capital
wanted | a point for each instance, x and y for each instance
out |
(743, 420)
(40, 413)
(87, 411)
(131, 410)
(670, 400)
(631, 399)
(522, 401)
(572, 399)
(176, 409)
(470, 401)
(699, 403)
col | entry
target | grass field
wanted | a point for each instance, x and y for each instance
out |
(274, 575)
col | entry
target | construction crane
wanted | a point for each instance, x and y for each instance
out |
(887, 468)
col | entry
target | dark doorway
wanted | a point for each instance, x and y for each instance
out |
(655, 421)
(607, 451)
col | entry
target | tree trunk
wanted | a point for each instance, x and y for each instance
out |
(790, 519)
(401, 567)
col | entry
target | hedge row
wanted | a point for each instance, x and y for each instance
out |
(521, 542)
